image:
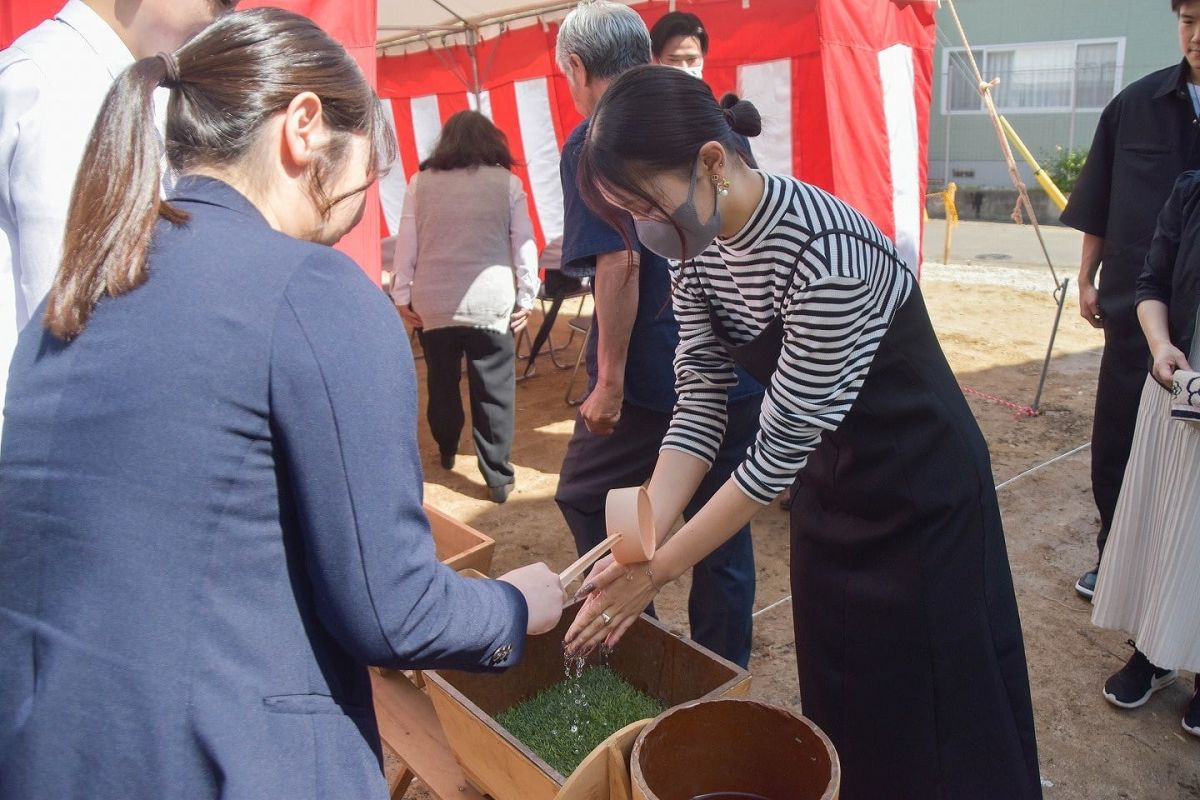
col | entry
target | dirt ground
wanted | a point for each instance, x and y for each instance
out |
(994, 328)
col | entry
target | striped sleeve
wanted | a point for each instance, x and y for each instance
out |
(832, 332)
(704, 374)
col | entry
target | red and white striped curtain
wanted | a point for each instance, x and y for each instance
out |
(843, 87)
(352, 22)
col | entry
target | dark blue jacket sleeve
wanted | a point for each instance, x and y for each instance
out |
(340, 372)
(1155, 281)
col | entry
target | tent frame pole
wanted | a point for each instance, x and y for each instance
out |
(473, 55)
(417, 36)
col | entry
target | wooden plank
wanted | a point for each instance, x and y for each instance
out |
(604, 774)
(408, 725)
(499, 764)
(459, 546)
(399, 783)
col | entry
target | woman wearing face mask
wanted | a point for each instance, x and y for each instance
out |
(908, 642)
(206, 533)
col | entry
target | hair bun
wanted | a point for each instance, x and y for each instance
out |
(741, 115)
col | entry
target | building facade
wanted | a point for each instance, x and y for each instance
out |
(1059, 63)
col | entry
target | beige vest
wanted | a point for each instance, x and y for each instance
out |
(464, 275)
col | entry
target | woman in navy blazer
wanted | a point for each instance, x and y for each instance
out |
(207, 528)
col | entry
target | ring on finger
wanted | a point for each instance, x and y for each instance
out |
(604, 616)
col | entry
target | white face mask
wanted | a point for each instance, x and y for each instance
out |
(695, 72)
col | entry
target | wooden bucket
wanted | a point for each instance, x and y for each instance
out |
(729, 748)
(651, 658)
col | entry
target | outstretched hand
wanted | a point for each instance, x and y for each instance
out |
(543, 595)
(616, 595)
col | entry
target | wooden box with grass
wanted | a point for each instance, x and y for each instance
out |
(459, 546)
(667, 669)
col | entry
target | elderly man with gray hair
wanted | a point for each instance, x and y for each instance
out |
(631, 381)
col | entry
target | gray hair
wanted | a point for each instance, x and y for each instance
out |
(609, 38)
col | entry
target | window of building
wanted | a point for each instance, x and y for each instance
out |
(1038, 77)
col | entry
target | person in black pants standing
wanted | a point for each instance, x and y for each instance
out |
(464, 231)
(631, 381)
(1148, 135)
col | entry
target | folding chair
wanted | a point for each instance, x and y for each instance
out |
(556, 289)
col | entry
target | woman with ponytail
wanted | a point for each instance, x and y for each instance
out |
(908, 641)
(197, 560)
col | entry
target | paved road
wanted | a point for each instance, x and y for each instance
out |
(1005, 244)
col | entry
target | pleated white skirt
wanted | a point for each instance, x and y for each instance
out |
(1149, 582)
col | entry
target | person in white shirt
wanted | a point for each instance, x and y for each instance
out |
(466, 278)
(53, 80)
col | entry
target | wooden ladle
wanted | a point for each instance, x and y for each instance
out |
(629, 521)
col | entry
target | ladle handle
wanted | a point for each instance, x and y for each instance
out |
(572, 573)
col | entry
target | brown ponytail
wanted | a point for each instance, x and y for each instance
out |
(115, 203)
(225, 83)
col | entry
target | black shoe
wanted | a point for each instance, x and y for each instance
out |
(1137, 680)
(499, 494)
(1086, 585)
(1191, 717)
(448, 460)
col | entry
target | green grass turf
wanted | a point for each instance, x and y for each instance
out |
(543, 722)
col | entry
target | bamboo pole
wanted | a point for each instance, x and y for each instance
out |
(1044, 180)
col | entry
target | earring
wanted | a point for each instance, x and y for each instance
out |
(721, 185)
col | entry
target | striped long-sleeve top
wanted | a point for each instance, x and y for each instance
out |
(836, 280)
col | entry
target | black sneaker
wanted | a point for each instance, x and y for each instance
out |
(1191, 717)
(1137, 680)
(1086, 585)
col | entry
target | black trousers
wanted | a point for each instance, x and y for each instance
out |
(1118, 391)
(491, 385)
(722, 596)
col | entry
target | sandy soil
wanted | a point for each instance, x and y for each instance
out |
(994, 330)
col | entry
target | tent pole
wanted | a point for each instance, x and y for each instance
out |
(473, 54)
(417, 36)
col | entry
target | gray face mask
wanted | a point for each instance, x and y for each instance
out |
(662, 238)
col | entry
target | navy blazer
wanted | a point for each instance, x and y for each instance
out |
(209, 525)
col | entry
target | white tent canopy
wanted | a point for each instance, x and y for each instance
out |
(417, 24)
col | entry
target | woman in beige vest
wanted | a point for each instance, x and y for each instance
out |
(465, 279)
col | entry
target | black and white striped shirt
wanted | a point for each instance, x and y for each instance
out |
(847, 282)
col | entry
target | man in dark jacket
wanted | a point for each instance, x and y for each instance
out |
(1147, 136)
